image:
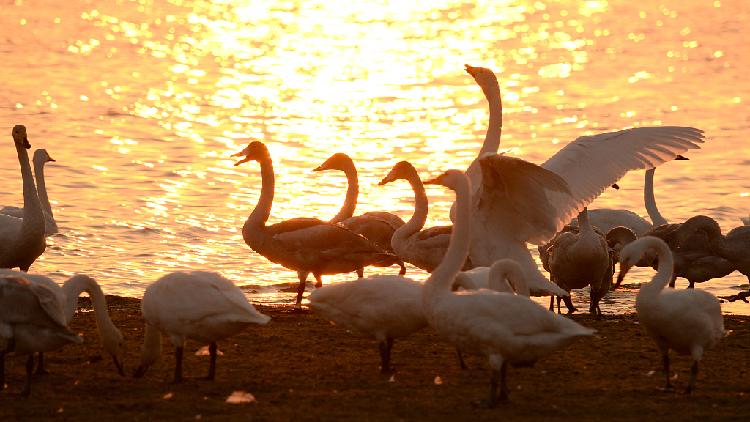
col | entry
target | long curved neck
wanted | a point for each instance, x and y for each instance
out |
(151, 345)
(442, 277)
(262, 210)
(41, 187)
(32, 209)
(78, 284)
(650, 201)
(495, 127)
(417, 220)
(664, 271)
(352, 192)
(584, 225)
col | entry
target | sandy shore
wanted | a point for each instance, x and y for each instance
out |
(300, 367)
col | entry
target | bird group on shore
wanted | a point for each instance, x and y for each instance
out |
(481, 270)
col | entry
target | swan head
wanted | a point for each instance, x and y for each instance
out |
(451, 179)
(41, 156)
(618, 237)
(508, 275)
(484, 77)
(256, 150)
(402, 170)
(632, 253)
(338, 161)
(19, 136)
(114, 343)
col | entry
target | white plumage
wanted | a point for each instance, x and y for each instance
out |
(41, 157)
(197, 305)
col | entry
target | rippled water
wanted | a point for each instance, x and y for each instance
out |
(142, 102)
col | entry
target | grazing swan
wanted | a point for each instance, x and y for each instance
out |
(306, 245)
(580, 258)
(687, 321)
(376, 226)
(422, 248)
(606, 219)
(31, 320)
(22, 239)
(67, 298)
(41, 157)
(518, 203)
(383, 307)
(197, 305)
(504, 327)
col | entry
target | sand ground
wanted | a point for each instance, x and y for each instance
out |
(300, 367)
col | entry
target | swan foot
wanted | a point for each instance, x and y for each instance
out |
(40, 371)
(693, 375)
(665, 361)
(568, 304)
(319, 280)
(212, 351)
(402, 271)
(178, 365)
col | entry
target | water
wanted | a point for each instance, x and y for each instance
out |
(142, 103)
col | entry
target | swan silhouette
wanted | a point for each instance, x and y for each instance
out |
(41, 157)
(686, 321)
(22, 239)
(506, 328)
(377, 226)
(306, 245)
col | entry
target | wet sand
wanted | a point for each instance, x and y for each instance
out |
(300, 367)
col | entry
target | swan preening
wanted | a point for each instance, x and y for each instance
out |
(22, 240)
(306, 245)
(31, 320)
(506, 328)
(41, 157)
(196, 305)
(686, 321)
(376, 226)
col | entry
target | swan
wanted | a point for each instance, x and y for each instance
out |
(422, 248)
(306, 245)
(41, 157)
(197, 305)
(67, 298)
(383, 307)
(22, 239)
(376, 226)
(506, 328)
(745, 221)
(580, 258)
(687, 321)
(31, 320)
(736, 248)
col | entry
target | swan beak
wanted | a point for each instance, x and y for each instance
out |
(470, 69)
(624, 268)
(118, 364)
(50, 159)
(319, 168)
(386, 179)
(244, 160)
(680, 157)
(433, 181)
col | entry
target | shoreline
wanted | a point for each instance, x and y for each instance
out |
(301, 367)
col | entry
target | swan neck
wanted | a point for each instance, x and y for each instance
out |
(650, 201)
(584, 225)
(495, 127)
(664, 271)
(41, 187)
(352, 192)
(151, 346)
(78, 284)
(262, 210)
(421, 207)
(32, 209)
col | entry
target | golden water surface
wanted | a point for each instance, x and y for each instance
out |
(142, 103)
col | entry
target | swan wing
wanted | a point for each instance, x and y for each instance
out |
(293, 225)
(326, 240)
(233, 295)
(592, 163)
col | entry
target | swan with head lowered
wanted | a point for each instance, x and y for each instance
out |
(306, 245)
(506, 328)
(376, 226)
(31, 320)
(197, 305)
(67, 299)
(41, 157)
(686, 321)
(22, 239)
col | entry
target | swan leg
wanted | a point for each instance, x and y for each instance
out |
(673, 281)
(302, 275)
(693, 375)
(692, 285)
(29, 370)
(2, 370)
(40, 366)
(568, 304)
(503, 384)
(552, 303)
(177, 365)
(360, 274)
(319, 280)
(558, 304)
(212, 350)
(385, 356)
(461, 362)
(665, 361)
(401, 264)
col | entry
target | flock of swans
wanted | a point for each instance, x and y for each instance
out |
(481, 271)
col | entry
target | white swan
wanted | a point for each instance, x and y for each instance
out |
(422, 248)
(196, 305)
(31, 320)
(376, 226)
(306, 245)
(67, 298)
(22, 239)
(383, 307)
(504, 327)
(41, 157)
(687, 321)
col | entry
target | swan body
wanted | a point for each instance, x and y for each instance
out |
(745, 220)
(506, 328)
(580, 259)
(41, 157)
(67, 298)
(31, 320)
(22, 239)
(736, 248)
(686, 321)
(306, 245)
(196, 305)
(377, 226)
(423, 248)
(383, 307)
